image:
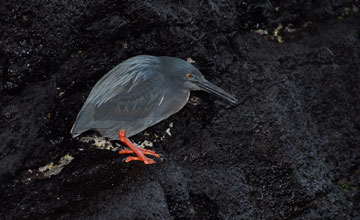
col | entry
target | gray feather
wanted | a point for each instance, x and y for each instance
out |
(115, 104)
(123, 78)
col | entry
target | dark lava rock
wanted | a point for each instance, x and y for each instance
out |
(289, 150)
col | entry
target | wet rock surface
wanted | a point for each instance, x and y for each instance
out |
(290, 150)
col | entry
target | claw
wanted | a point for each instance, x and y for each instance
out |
(144, 151)
(146, 161)
(126, 151)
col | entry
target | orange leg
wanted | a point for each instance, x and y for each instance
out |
(134, 149)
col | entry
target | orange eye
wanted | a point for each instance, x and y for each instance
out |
(189, 75)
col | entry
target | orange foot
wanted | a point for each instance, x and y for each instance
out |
(140, 153)
(144, 151)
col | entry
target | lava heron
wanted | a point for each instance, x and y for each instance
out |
(138, 93)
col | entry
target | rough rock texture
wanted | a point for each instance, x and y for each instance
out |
(290, 150)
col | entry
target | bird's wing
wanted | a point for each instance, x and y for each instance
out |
(127, 93)
(124, 78)
(134, 105)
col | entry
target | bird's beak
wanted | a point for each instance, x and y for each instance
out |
(211, 88)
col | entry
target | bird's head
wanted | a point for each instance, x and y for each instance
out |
(188, 77)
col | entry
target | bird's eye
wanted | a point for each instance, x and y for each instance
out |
(189, 75)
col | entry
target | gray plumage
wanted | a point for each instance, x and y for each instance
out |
(138, 93)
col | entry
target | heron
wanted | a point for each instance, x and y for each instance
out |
(138, 93)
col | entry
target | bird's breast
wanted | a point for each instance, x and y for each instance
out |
(169, 104)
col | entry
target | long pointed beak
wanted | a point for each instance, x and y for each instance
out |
(213, 89)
